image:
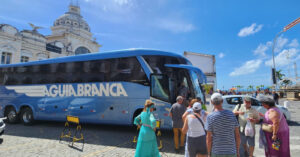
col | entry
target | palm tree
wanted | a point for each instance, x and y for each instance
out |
(279, 75)
(250, 87)
(238, 87)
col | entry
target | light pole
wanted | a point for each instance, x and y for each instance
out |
(292, 24)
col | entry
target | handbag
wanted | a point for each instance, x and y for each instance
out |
(267, 127)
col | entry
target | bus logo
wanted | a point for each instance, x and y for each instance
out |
(67, 90)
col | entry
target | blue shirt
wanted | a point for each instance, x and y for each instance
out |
(222, 125)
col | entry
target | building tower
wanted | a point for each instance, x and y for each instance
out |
(71, 35)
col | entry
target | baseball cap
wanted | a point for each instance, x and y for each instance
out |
(197, 106)
(216, 97)
(246, 98)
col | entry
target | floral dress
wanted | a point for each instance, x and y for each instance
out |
(146, 144)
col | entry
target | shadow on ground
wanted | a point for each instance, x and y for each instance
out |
(293, 123)
(107, 135)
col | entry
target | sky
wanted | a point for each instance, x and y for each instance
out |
(239, 33)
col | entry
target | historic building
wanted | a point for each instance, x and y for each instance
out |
(70, 35)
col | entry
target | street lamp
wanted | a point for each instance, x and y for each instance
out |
(292, 24)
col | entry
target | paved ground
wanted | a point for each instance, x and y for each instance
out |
(101, 140)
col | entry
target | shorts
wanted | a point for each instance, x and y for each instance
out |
(197, 145)
(247, 140)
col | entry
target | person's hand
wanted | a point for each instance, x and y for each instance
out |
(241, 113)
(252, 120)
(274, 137)
(260, 114)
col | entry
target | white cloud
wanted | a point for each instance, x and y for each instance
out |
(285, 57)
(250, 30)
(294, 43)
(249, 67)
(175, 26)
(262, 48)
(221, 55)
(280, 43)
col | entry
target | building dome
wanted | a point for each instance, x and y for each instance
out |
(73, 19)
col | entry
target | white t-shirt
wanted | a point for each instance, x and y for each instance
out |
(195, 127)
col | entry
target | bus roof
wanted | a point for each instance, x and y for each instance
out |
(95, 56)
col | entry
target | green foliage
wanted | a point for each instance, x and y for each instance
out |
(279, 75)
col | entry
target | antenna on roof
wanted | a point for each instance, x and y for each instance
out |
(71, 2)
(77, 3)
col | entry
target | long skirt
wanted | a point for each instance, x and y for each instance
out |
(284, 149)
(147, 143)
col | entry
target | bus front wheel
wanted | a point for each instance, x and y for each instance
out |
(27, 116)
(11, 114)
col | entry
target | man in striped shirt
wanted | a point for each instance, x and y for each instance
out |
(223, 137)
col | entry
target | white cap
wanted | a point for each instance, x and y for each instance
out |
(197, 106)
(216, 97)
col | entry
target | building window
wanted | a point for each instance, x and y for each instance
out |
(6, 58)
(81, 50)
(24, 59)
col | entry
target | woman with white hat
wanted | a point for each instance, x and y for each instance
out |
(196, 135)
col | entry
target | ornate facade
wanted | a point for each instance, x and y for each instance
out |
(70, 36)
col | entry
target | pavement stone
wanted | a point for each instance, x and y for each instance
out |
(42, 139)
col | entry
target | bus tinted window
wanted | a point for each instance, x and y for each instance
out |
(128, 70)
(119, 69)
(157, 63)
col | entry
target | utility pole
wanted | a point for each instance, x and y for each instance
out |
(287, 27)
(296, 74)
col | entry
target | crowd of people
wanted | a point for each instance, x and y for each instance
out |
(220, 133)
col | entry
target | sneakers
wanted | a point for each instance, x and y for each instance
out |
(177, 151)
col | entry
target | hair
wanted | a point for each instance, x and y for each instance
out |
(197, 111)
(269, 103)
(192, 102)
(216, 102)
(267, 100)
(148, 104)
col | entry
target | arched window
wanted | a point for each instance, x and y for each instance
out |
(81, 50)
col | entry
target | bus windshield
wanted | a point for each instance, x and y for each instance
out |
(196, 85)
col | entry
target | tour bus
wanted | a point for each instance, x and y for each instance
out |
(101, 88)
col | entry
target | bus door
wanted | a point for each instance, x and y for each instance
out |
(196, 78)
(54, 108)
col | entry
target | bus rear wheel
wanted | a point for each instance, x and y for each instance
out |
(11, 114)
(27, 116)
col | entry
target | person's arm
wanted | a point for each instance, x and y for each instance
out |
(235, 110)
(137, 120)
(275, 118)
(185, 126)
(209, 142)
(171, 115)
(186, 113)
(237, 140)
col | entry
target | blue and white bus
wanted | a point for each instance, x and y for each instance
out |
(103, 88)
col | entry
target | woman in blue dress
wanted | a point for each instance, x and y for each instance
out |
(146, 144)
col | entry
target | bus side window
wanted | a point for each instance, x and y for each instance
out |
(60, 76)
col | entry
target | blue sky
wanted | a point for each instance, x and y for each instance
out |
(238, 33)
